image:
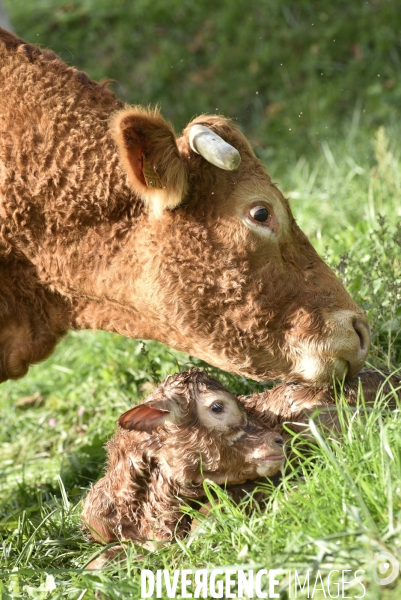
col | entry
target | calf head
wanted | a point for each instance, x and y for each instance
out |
(193, 428)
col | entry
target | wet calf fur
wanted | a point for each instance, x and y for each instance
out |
(296, 402)
(188, 430)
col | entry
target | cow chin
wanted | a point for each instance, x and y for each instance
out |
(314, 369)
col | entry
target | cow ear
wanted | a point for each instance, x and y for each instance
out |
(142, 418)
(150, 156)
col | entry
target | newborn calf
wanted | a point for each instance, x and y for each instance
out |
(188, 430)
(296, 402)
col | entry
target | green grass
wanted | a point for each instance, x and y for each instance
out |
(334, 509)
(292, 71)
(339, 504)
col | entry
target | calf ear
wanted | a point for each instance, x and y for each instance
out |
(150, 156)
(142, 418)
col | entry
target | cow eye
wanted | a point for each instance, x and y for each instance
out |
(217, 407)
(259, 213)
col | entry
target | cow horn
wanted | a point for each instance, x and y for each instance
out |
(213, 148)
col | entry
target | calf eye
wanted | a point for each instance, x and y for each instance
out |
(259, 213)
(217, 407)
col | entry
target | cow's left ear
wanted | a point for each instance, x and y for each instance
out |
(150, 156)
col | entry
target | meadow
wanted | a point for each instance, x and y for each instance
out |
(336, 155)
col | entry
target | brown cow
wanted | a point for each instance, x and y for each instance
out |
(188, 430)
(107, 221)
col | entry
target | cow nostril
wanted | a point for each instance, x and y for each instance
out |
(279, 440)
(362, 333)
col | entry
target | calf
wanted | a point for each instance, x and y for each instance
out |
(188, 430)
(294, 404)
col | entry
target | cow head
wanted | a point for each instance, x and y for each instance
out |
(119, 225)
(228, 275)
(186, 241)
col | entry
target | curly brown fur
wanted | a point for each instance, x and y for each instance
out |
(140, 235)
(174, 442)
(294, 403)
(32, 318)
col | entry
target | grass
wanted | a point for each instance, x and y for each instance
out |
(337, 505)
(292, 71)
(335, 510)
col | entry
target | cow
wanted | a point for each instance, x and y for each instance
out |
(110, 221)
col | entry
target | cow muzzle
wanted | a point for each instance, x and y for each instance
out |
(341, 354)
